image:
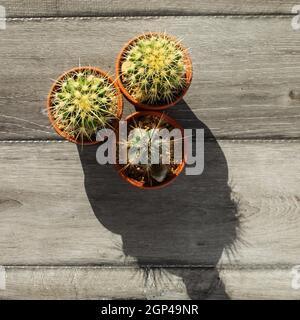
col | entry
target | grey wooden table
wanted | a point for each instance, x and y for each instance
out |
(70, 228)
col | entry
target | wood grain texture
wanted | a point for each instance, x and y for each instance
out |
(246, 71)
(98, 283)
(132, 283)
(232, 232)
(36, 8)
(61, 208)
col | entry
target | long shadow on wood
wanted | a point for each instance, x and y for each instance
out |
(189, 223)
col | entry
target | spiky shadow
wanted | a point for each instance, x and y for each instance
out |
(190, 222)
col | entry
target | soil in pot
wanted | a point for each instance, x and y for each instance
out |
(81, 102)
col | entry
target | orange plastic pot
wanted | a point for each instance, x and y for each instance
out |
(189, 74)
(180, 167)
(53, 89)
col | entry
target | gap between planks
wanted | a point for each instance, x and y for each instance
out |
(250, 140)
(156, 266)
(146, 17)
(49, 8)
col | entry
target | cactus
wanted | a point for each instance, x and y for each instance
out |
(83, 102)
(154, 69)
(140, 143)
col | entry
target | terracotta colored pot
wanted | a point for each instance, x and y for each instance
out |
(180, 167)
(53, 89)
(189, 75)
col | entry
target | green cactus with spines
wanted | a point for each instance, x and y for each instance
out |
(83, 103)
(154, 69)
(141, 141)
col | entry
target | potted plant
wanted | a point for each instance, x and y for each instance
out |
(154, 71)
(82, 101)
(140, 144)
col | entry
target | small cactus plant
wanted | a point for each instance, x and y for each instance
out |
(84, 101)
(153, 69)
(142, 144)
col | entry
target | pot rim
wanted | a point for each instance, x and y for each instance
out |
(180, 167)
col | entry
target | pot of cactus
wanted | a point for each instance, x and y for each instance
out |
(82, 101)
(154, 71)
(143, 143)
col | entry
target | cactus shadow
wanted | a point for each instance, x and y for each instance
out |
(184, 228)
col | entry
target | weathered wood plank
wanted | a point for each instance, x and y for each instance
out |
(246, 71)
(60, 208)
(131, 283)
(36, 8)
